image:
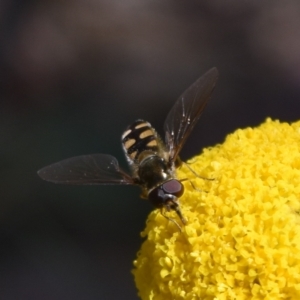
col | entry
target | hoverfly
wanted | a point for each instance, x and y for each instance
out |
(152, 161)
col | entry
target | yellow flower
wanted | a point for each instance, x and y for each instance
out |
(242, 238)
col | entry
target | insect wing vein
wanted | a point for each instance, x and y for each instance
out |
(187, 111)
(86, 170)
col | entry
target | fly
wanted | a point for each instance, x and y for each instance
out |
(152, 162)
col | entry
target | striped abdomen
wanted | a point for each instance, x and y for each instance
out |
(138, 138)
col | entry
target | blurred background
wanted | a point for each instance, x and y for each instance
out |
(74, 74)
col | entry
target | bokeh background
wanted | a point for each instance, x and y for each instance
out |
(74, 74)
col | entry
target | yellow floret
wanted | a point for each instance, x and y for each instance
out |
(242, 238)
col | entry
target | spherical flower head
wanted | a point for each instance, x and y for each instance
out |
(242, 237)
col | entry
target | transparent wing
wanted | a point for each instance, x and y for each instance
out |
(187, 110)
(86, 170)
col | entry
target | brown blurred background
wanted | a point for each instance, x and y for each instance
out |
(74, 74)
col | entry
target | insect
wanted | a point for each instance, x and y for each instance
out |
(152, 161)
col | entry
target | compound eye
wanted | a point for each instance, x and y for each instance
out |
(156, 197)
(173, 187)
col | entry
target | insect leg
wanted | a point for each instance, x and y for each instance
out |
(197, 175)
(170, 219)
(193, 186)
